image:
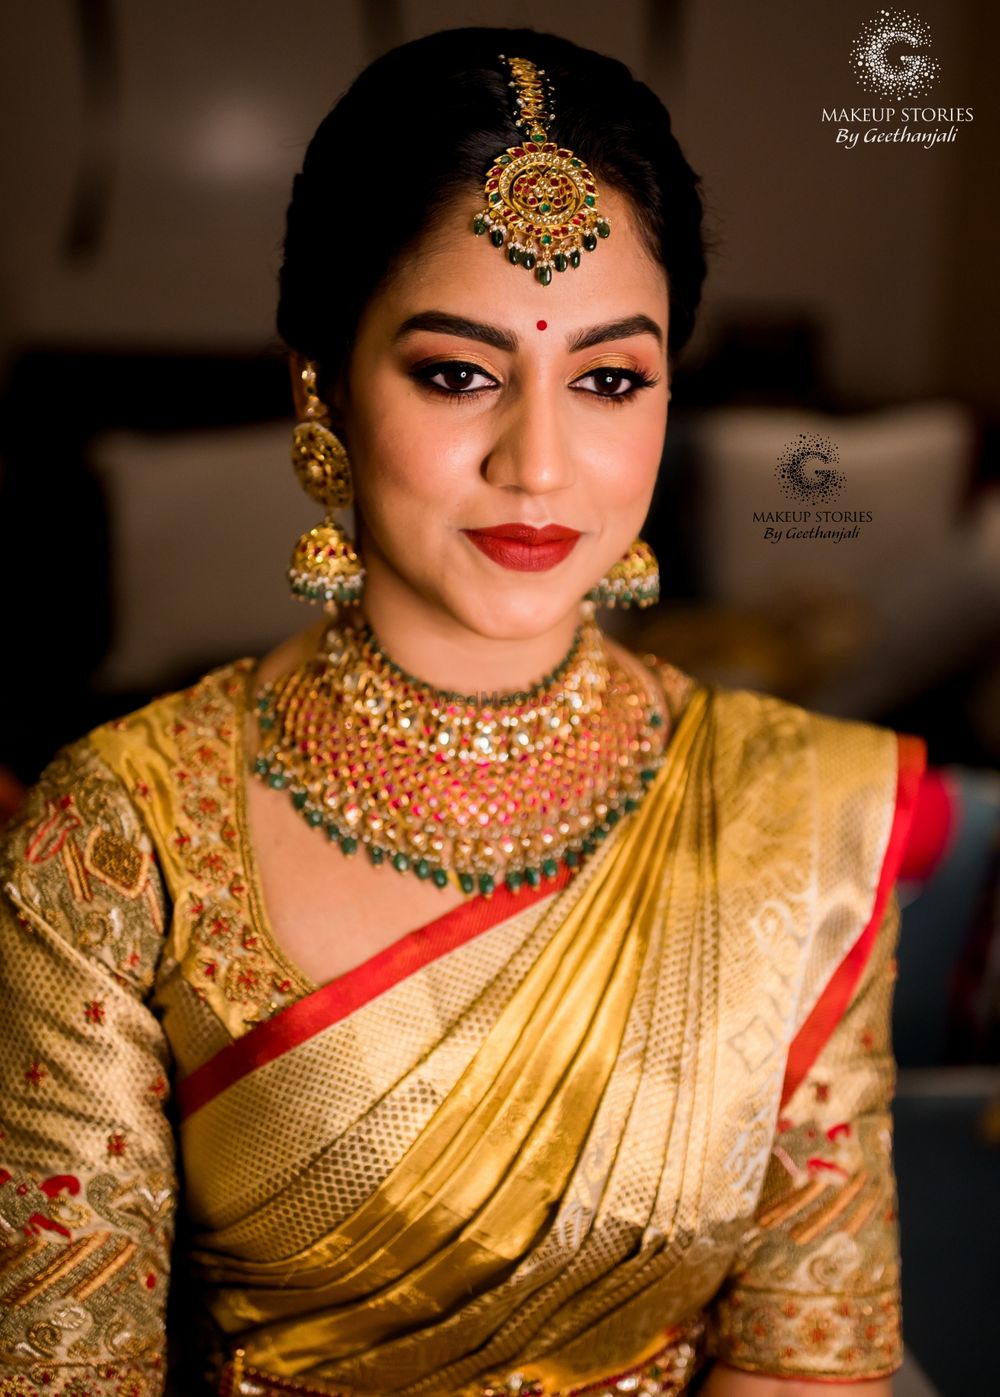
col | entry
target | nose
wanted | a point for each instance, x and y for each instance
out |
(533, 450)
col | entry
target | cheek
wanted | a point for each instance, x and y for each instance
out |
(405, 451)
(623, 455)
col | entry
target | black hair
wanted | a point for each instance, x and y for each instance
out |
(421, 125)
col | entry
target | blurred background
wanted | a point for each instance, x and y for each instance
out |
(147, 508)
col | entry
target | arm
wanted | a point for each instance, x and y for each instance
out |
(87, 1183)
(813, 1299)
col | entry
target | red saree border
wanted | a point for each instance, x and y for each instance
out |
(306, 1017)
(826, 1013)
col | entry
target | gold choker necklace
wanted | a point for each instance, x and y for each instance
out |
(457, 788)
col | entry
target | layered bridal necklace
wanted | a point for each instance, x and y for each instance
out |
(464, 789)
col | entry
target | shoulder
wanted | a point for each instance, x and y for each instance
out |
(77, 857)
(84, 850)
(761, 734)
(854, 781)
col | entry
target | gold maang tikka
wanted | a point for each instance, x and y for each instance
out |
(541, 199)
(325, 567)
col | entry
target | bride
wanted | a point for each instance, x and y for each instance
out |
(453, 1001)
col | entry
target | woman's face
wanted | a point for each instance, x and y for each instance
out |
(476, 397)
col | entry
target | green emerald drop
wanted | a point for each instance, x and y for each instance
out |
(604, 229)
(422, 868)
(298, 799)
(486, 884)
(314, 818)
(528, 260)
(574, 257)
(589, 242)
(571, 858)
(496, 237)
(400, 862)
(440, 877)
(549, 868)
(348, 844)
(277, 781)
(513, 254)
(544, 275)
(532, 877)
(561, 261)
(375, 853)
(513, 880)
(466, 882)
(260, 766)
(479, 224)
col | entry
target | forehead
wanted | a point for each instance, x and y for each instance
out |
(451, 268)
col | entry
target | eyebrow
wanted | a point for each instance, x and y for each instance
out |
(447, 324)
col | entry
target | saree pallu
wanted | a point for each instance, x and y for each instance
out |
(584, 1138)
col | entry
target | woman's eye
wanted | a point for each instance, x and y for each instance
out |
(455, 378)
(616, 383)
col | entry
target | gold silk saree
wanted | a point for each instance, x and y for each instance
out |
(580, 1138)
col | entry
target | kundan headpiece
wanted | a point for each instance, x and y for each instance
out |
(541, 199)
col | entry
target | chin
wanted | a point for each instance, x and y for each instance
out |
(516, 615)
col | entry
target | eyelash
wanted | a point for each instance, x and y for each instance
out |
(636, 377)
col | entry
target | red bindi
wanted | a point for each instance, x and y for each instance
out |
(542, 325)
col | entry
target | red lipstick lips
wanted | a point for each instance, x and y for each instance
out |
(524, 548)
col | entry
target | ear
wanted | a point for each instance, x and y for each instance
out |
(296, 364)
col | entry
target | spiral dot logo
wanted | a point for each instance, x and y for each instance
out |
(824, 484)
(889, 57)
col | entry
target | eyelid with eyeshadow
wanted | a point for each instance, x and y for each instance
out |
(424, 373)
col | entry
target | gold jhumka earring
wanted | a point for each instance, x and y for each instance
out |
(633, 581)
(325, 567)
(541, 204)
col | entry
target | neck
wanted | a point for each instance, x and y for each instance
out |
(437, 649)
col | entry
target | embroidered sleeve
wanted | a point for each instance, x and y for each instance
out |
(815, 1289)
(87, 1183)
